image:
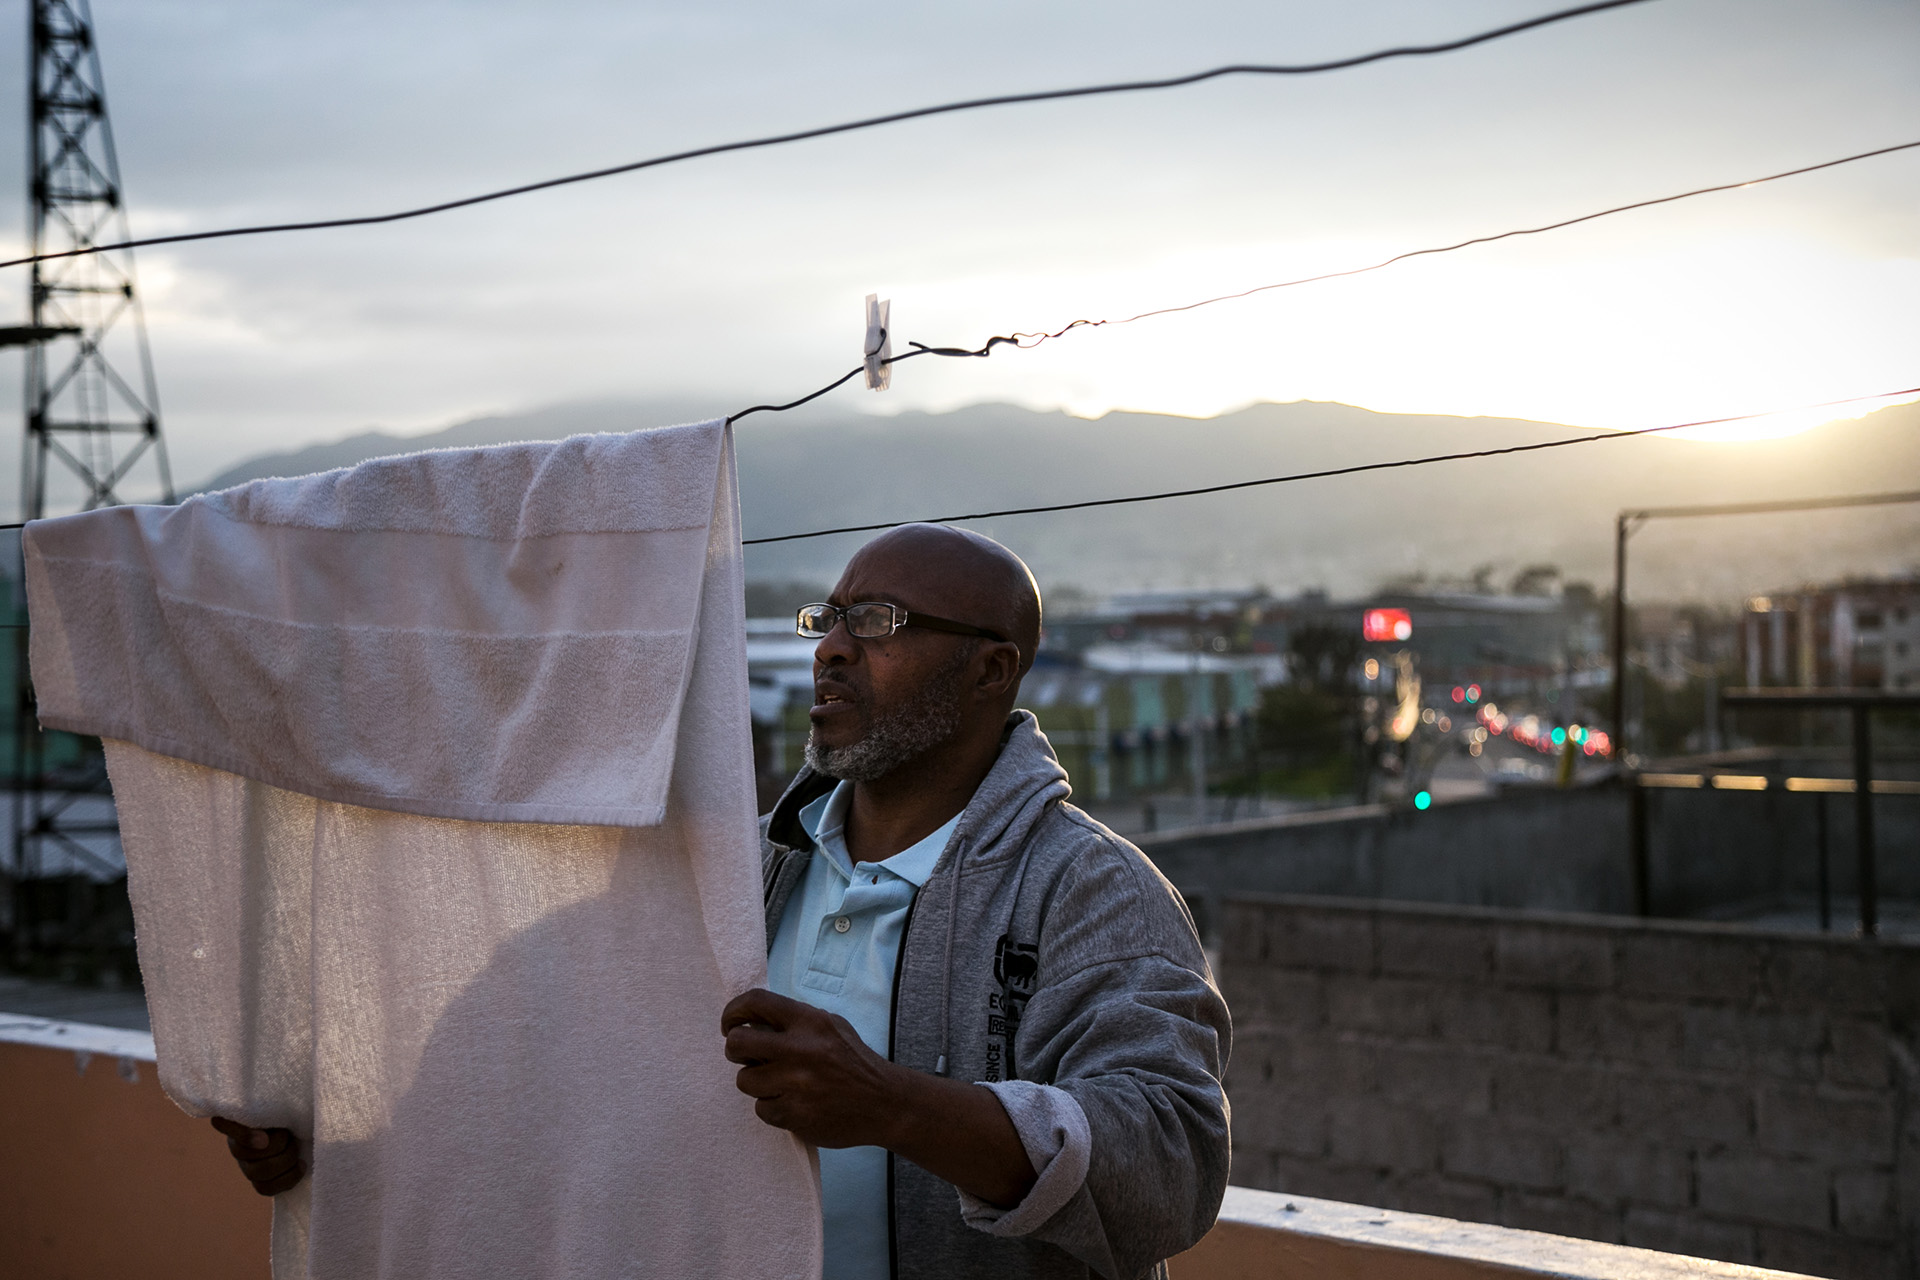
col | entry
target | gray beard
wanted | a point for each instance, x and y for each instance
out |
(908, 731)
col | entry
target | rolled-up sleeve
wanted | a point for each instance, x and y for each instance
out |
(1054, 1131)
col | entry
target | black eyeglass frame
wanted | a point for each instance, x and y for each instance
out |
(900, 618)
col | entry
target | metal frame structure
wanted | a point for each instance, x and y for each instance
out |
(1859, 703)
(92, 412)
(1627, 522)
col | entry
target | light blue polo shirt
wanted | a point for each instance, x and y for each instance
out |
(836, 948)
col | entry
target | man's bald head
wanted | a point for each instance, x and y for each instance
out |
(923, 694)
(957, 574)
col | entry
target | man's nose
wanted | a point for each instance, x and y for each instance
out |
(837, 647)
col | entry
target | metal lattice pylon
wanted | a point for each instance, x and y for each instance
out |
(92, 433)
(83, 410)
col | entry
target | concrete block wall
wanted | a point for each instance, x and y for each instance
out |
(1694, 1088)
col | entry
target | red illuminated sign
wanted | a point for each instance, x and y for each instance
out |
(1386, 624)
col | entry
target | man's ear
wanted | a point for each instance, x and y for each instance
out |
(1000, 672)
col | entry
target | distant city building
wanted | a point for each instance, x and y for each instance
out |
(1674, 643)
(1862, 634)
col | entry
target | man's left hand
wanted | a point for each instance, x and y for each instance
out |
(810, 1072)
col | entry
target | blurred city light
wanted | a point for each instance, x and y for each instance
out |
(1386, 624)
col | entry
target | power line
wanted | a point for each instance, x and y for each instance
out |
(1356, 469)
(871, 122)
(1027, 341)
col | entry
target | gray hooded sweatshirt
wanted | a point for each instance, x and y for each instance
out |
(1049, 960)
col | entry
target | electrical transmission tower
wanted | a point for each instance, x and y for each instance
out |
(96, 419)
(92, 439)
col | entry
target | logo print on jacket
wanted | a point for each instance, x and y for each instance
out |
(1016, 968)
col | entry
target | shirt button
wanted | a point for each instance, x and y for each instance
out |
(841, 924)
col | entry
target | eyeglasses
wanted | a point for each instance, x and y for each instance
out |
(873, 620)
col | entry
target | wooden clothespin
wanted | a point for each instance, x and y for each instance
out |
(879, 346)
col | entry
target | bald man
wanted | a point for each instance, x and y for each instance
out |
(990, 1013)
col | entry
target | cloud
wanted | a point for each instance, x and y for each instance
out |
(741, 277)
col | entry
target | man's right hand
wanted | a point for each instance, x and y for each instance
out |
(269, 1157)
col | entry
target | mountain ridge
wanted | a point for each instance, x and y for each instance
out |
(821, 467)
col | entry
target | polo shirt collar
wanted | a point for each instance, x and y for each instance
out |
(825, 820)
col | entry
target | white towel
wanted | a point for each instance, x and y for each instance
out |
(346, 714)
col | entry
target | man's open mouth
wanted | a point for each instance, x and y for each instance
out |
(836, 695)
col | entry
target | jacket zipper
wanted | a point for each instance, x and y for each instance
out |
(893, 1035)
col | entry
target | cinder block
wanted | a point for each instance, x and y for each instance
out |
(1273, 997)
(1403, 1008)
(1900, 970)
(1325, 1180)
(1289, 1121)
(1566, 1096)
(1260, 1056)
(1243, 934)
(1692, 1234)
(1254, 1167)
(1320, 938)
(1337, 1067)
(1765, 1189)
(1834, 976)
(1853, 1128)
(1438, 1079)
(1421, 947)
(1561, 1216)
(1615, 1028)
(1446, 1197)
(1859, 1053)
(1863, 1203)
(1611, 1168)
(1679, 1108)
(1363, 1131)
(1746, 1040)
(1508, 1154)
(1824, 1254)
(1691, 965)
(1562, 957)
(1491, 1015)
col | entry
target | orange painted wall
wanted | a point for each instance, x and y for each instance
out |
(104, 1178)
(1236, 1251)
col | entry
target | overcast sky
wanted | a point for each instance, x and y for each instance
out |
(740, 278)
